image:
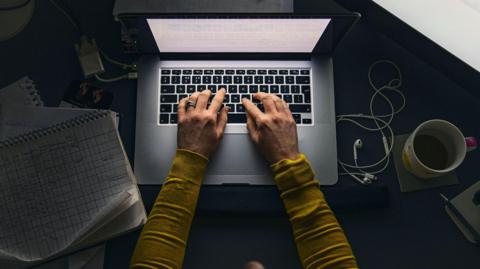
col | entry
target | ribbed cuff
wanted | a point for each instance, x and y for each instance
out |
(290, 173)
(189, 165)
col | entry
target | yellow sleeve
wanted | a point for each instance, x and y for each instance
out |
(163, 239)
(321, 242)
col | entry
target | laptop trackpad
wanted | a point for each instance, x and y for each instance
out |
(237, 155)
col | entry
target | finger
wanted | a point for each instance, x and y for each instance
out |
(217, 101)
(194, 98)
(252, 128)
(267, 101)
(251, 109)
(222, 119)
(202, 100)
(181, 108)
(279, 104)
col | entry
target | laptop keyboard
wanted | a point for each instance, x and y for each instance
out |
(292, 85)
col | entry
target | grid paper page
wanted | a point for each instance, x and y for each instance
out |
(56, 187)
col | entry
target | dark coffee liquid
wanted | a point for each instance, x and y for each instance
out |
(431, 152)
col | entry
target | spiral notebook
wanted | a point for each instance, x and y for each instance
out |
(21, 92)
(64, 188)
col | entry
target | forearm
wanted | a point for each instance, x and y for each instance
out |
(320, 240)
(163, 239)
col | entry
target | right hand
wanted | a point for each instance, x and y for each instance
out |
(273, 132)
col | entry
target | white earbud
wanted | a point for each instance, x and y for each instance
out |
(356, 146)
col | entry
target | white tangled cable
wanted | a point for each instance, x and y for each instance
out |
(382, 122)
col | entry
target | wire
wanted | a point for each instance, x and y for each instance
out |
(16, 6)
(382, 123)
(67, 16)
(123, 65)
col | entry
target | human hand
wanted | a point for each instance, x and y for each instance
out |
(200, 129)
(274, 132)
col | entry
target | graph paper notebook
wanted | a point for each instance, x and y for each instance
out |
(21, 92)
(64, 188)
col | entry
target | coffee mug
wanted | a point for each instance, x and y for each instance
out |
(435, 148)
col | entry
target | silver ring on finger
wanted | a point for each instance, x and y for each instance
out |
(191, 103)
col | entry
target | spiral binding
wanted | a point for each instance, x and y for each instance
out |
(74, 122)
(29, 87)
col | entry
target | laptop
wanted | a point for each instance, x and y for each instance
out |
(286, 55)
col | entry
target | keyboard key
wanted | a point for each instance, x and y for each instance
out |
(263, 88)
(272, 72)
(240, 108)
(176, 72)
(226, 99)
(217, 79)
(187, 72)
(284, 89)
(207, 79)
(165, 80)
(258, 80)
(297, 118)
(165, 72)
(181, 96)
(175, 108)
(227, 79)
(268, 79)
(166, 108)
(230, 72)
(231, 107)
(212, 88)
(190, 88)
(255, 101)
(262, 72)
(163, 118)
(287, 98)
(232, 89)
(243, 89)
(180, 88)
(274, 89)
(247, 96)
(300, 108)
(196, 79)
(283, 72)
(293, 72)
(237, 79)
(251, 72)
(176, 79)
(224, 87)
(186, 79)
(279, 80)
(303, 80)
(237, 118)
(306, 90)
(173, 118)
(167, 89)
(165, 98)
(297, 98)
(248, 79)
(289, 79)
(208, 72)
(197, 72)
(235, 98)
(279, 96)
(307, 121)
(240, 72)
(295, 89)
(253, 88)
(305, 72)
(219, 72)
(201, 88)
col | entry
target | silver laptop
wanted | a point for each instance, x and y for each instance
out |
(289, 56)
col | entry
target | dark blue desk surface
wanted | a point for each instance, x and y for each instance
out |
(413, 232)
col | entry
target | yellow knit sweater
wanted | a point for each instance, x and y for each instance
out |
(320, 240)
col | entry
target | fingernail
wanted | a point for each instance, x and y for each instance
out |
(223, 89)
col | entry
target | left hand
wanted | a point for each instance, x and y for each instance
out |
(200, 129)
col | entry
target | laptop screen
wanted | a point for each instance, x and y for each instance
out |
(237, 35)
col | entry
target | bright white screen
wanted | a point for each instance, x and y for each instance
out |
(237, 35)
